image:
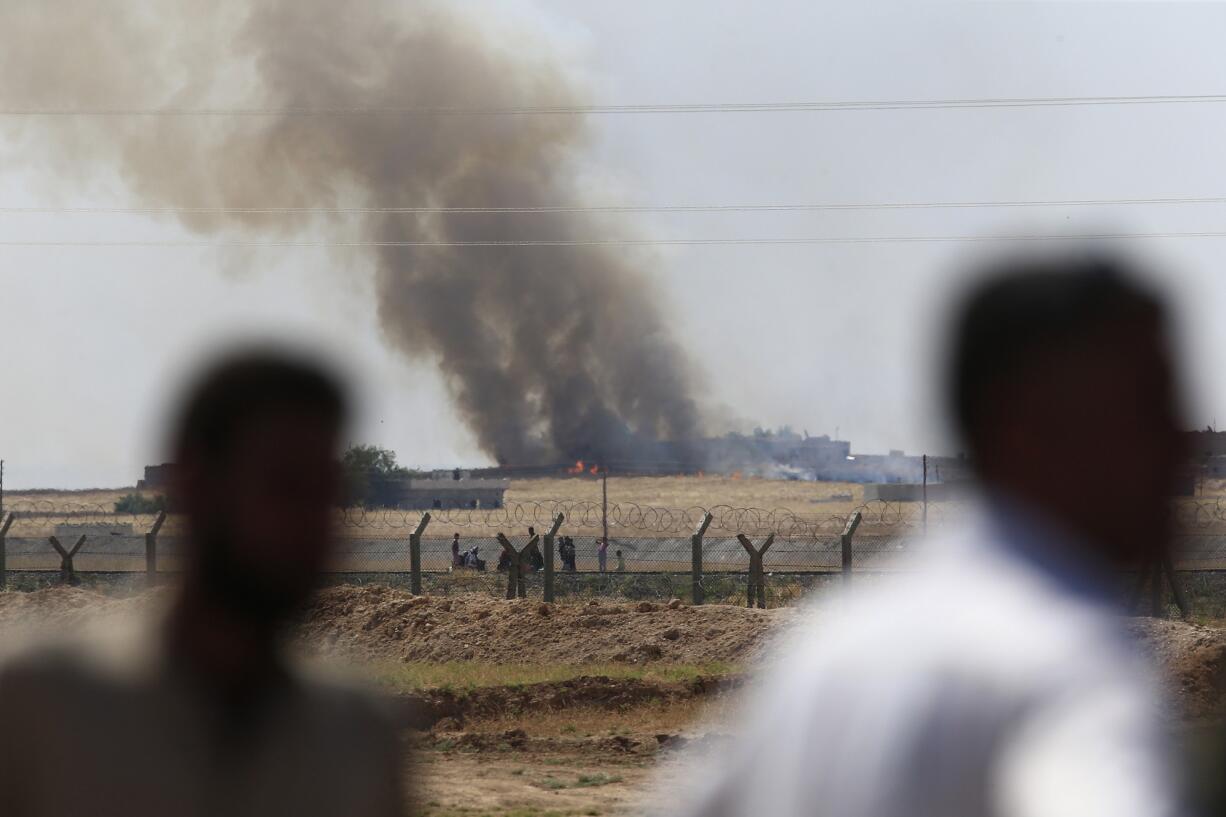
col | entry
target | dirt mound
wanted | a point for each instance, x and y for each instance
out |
(1193, 658)
(57, 605)
(379, 623)
(64, 610)
(382, 624)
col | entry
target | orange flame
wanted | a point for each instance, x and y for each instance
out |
(578, 469)
(736, 474)
(594, 470)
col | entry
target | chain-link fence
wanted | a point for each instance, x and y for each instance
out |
(651, 552)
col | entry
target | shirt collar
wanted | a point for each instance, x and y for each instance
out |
(1034, 538)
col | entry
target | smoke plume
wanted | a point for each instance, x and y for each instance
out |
(551, 353)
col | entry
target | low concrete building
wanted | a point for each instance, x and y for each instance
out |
(914, 492)
(157, 477)
(69, 531)
(450, 489)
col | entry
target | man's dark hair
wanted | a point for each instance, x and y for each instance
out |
(240, 389)
(1027, 308)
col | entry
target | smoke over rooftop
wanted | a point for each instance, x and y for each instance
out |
(550, 353)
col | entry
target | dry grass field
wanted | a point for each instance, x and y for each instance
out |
(803, 498)
(677, 492)
(106, 497)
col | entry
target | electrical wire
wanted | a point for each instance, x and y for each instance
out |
(680, 242)
(616, 209)
(663, 108)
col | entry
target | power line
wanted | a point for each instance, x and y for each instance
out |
(614, 209)
(646, 242)
(664, 108)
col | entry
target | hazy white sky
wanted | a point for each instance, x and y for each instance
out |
(819, 337)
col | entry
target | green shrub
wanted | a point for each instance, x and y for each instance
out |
(139, 503)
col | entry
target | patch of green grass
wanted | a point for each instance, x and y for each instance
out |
(512, 812)
(583, 781)
(464, 675)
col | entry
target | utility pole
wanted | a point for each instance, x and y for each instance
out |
(925, 494)
(604, 505)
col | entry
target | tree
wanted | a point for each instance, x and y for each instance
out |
(371, 476)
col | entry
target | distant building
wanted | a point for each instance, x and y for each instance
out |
(1204, 445)
(69, 531)
(1215, 467)
(912, 492)
(1206, 453)
(444, 490)
(157, 477)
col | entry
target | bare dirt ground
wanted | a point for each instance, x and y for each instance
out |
(622, 686)
(531, 783)
(1193, 660)
(603, 756)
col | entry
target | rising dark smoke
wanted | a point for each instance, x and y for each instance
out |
(551, 353)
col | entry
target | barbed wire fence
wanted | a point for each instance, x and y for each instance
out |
(651, 553)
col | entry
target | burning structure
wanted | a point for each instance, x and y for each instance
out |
(781, 454)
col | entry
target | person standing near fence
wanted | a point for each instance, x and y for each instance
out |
(602, 554)
(216, 720)
(457, 560)
(621, 562)
(998, 676)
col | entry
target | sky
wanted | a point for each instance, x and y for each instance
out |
(825, 338)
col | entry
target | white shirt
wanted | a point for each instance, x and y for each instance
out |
(984, 683)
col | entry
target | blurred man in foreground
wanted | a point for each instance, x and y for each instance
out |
(215, 721)
(997, 679)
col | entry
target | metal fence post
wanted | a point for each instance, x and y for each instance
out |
(4, 529)
(68, 574)
(151, 549)
(697, 596)
(1181, 600)
(415, 555)
(756, 589)
(515, 575)
(1157, 592)
(549, 536)
(849, 531)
